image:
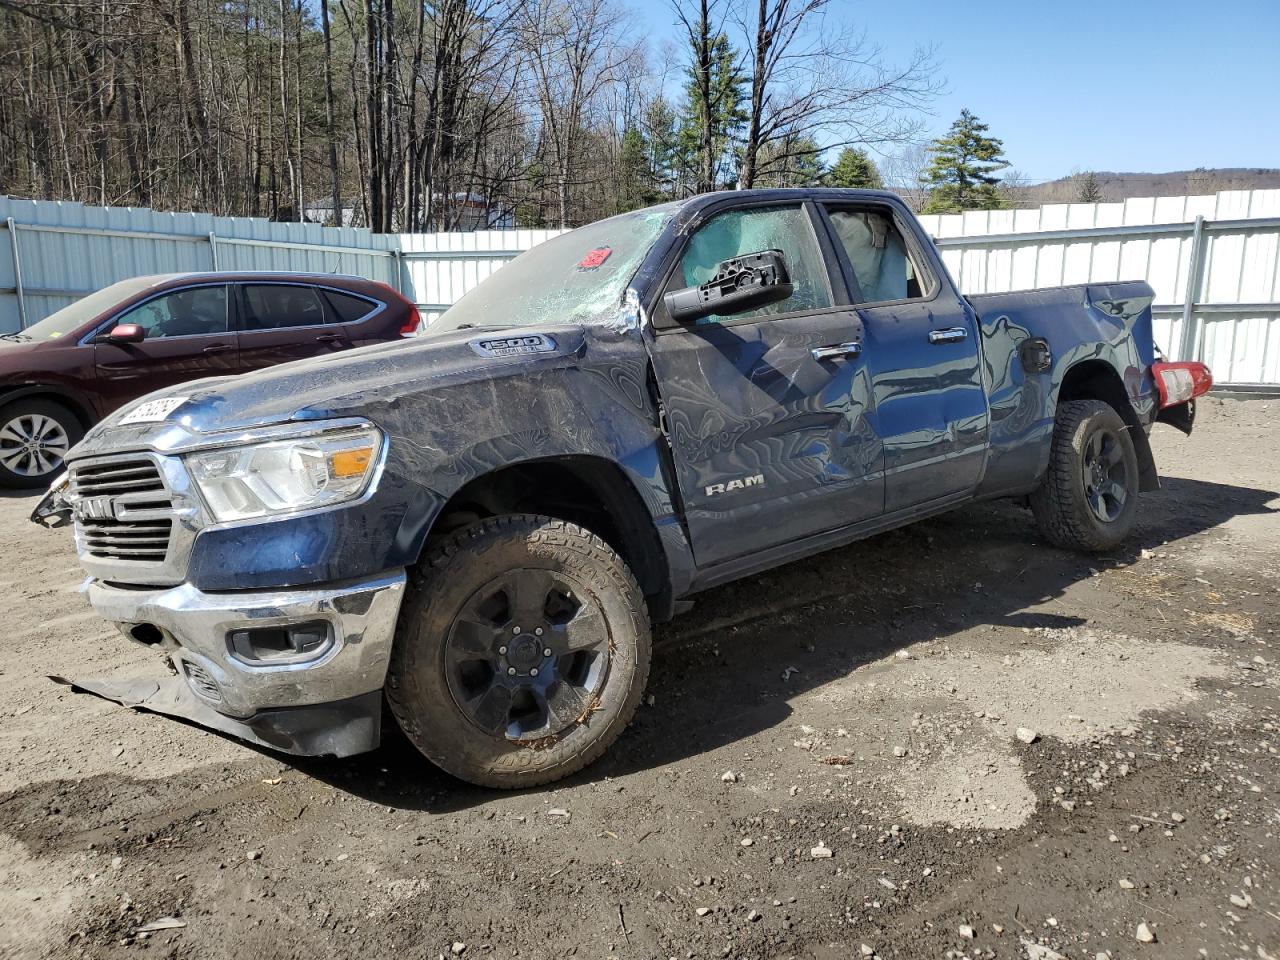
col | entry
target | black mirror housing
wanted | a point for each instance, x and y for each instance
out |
(740, 283)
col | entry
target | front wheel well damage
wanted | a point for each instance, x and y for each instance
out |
(1098, 380)
(588, 491)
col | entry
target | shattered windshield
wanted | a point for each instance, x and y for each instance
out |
(577, 277)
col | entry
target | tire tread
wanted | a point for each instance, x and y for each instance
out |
(475, 539)
(1060, 515)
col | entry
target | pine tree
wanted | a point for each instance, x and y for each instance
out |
(664, 145)
(854, 169)
(635, 178)
(961, 173)
(727, 113)
(1090, 188)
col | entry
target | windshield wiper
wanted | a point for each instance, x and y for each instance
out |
(16, 337)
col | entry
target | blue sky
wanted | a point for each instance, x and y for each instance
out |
(1133, 85)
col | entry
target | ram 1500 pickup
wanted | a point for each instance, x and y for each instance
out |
(478, 526)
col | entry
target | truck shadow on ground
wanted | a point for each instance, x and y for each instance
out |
(718, 671)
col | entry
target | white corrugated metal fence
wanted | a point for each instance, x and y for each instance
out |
(1214, 261)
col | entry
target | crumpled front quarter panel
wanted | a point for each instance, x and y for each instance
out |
(461, 415)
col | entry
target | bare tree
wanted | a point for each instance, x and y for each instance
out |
(423, 114)
(903, 173)
(702, 29)
(463, 77)
(573, 52)
(812, 73)
(1013, 188)
(330, 114)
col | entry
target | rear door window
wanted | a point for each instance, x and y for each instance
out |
(190, 312)
(347, 307)
(878, 253)
(274, 306)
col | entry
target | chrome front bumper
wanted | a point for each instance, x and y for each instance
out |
(195, 628)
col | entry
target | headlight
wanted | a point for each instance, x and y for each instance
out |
(286, 476)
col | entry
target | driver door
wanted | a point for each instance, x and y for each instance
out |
(771, 440)
(188, 336)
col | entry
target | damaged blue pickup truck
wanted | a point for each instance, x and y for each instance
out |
(476, 528)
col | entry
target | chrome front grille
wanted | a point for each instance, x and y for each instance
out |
(123, 510)
(127, 540)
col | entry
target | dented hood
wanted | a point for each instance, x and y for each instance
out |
(350, 383)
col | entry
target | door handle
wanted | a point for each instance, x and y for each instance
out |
(837, 351)
(329, 338)
(948, 335)
(218, 348)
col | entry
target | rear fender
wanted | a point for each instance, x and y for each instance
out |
(1041, 347)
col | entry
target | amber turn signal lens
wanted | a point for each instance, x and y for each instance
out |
(349, 463)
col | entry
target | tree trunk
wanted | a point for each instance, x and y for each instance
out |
(282, 71)
(331, 125)
(707, 175)
(751, 148)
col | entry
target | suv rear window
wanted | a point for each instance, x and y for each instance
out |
(347, 307)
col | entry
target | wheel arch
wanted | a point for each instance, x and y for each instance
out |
(78, 405)
(588, 490)
(1096, 379)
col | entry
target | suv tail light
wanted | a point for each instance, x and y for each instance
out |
(1179, 382)
(412, 325)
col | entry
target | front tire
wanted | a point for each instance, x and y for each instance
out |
(1088, 499)
(35, 436)
(521, 653)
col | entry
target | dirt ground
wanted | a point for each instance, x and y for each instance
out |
(834, 764)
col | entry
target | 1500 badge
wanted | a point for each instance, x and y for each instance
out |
(513, 346)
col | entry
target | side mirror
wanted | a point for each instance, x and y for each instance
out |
(742, 283)
(126, 333)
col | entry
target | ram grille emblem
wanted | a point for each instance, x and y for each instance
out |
(94, 508)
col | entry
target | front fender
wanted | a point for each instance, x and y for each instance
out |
(439, 440)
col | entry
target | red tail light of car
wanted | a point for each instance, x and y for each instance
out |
(412, 325)
(1181, 381)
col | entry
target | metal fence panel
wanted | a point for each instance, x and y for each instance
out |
(64, 250)
(438, 268)
(1213, 261)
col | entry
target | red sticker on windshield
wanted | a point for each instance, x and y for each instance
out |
(595, 258)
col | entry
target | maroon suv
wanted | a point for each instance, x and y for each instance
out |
(68, 371)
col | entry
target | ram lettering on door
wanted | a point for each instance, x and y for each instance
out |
(732, 485)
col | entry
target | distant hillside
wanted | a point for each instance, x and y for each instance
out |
(1120, 186)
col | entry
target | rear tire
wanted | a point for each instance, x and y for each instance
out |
(1088, 499)
(35, 435)
(521, 653)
